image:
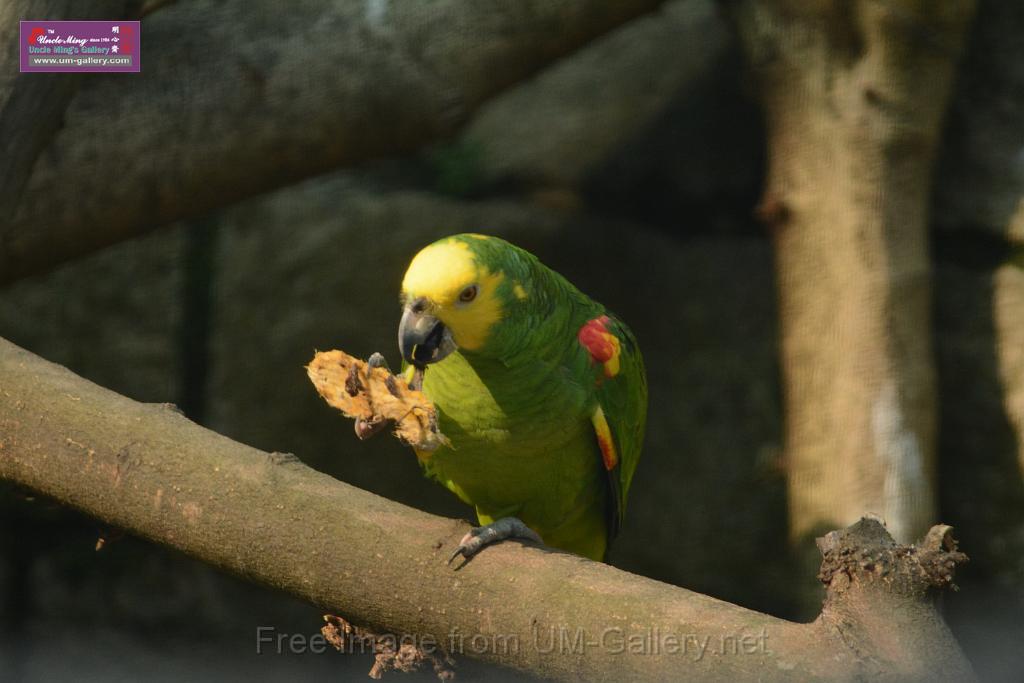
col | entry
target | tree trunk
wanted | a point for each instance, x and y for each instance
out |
(854, 95)
(381, 565)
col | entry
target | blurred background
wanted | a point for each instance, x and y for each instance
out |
(636, 164)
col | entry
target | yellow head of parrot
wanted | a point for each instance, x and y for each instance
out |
(451, 300)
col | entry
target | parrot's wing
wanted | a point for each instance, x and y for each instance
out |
(620, 412)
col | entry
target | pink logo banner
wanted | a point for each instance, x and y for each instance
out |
(77, 46)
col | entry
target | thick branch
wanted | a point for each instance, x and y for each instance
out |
(301, 89)
(555, 129)
(271, 519)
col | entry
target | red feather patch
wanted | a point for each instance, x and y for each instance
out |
(602, 345)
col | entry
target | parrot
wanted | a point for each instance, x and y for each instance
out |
(540, 391)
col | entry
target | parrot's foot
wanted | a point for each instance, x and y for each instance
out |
(416, 383)
(498, 530)
(367, 428)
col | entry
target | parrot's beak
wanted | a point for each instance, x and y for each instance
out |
(422, 338)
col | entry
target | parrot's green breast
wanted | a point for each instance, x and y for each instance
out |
(522, 446)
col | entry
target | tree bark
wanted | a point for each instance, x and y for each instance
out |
(269, 518)
(301, 89)
(854, 95)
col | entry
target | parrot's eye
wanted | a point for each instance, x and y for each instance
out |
(468, 294)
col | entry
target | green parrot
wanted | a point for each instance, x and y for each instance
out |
(540, 390)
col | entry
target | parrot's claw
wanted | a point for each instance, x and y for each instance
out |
(416, 383)
(499, 530)
(367, 428)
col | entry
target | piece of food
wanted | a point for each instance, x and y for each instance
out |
(375, 398)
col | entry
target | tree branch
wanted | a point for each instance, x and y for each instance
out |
(271, 519)
(303, 89)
